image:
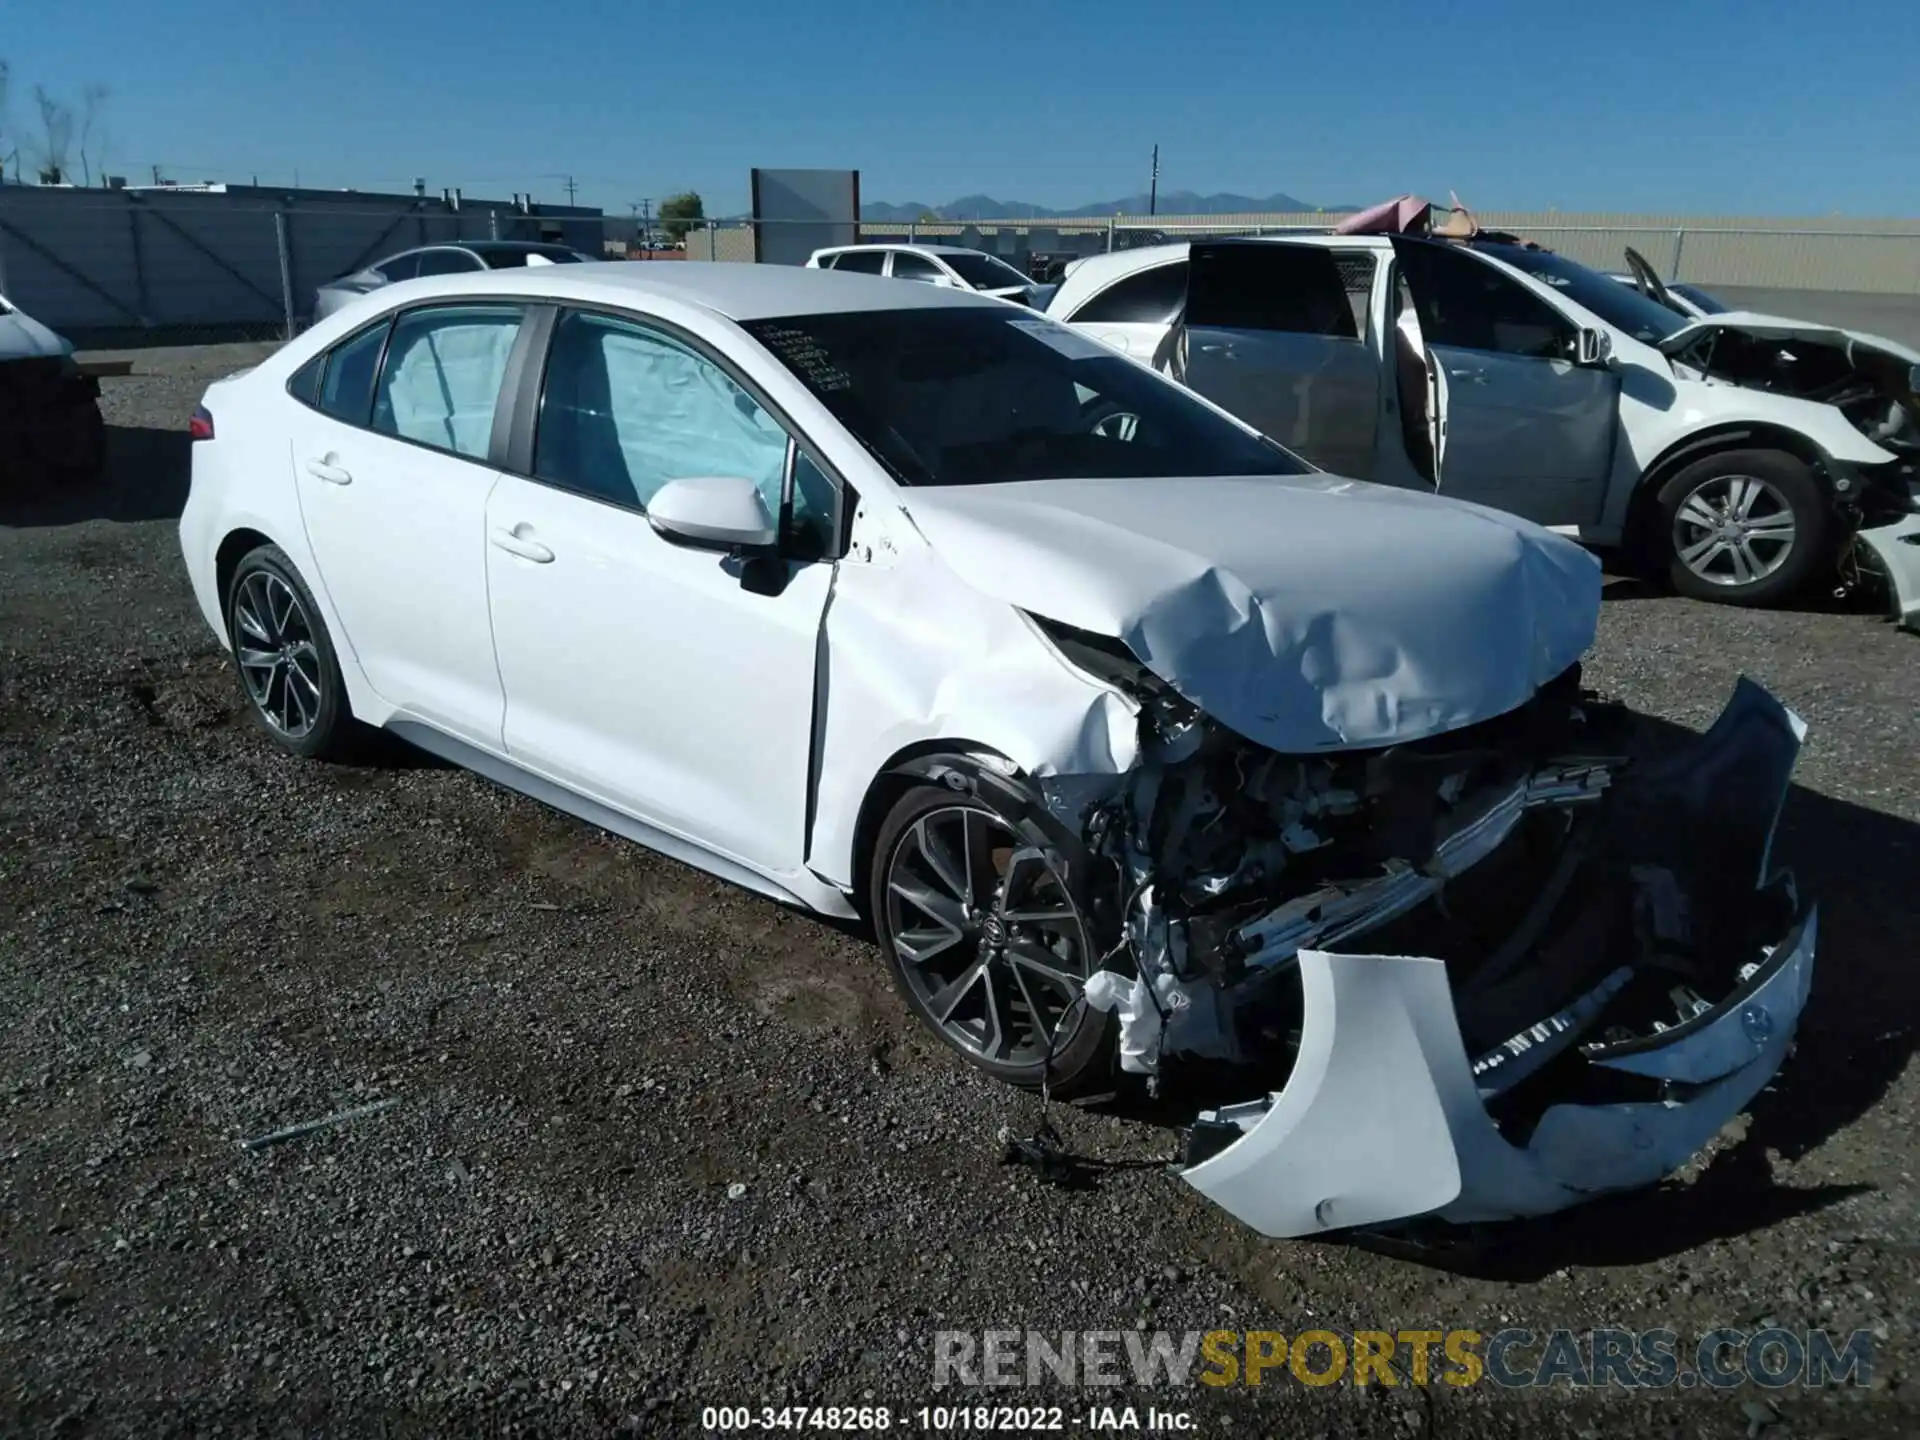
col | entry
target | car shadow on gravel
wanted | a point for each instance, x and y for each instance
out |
(146, 476)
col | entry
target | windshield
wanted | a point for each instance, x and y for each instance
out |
(1707, 304)
(984, 272)
(1619, 305)
(509, 259)
(973, 395)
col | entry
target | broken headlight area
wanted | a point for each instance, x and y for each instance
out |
(1482, 975)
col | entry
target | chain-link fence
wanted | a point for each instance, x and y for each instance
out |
(130, 267)
(123, 267)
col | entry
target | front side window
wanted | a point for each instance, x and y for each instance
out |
(985, 272)
(447, 262)
(1268, 286)
(442, 379)
(627, 408)
(346, 392)
(971, 395)
(1153, 297)
(1464, 302)
(908, 266)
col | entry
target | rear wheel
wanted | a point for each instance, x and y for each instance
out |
(285, 658)
(986, 943)
(1745, 527)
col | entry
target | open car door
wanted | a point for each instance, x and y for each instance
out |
(1268, 334)
(1523, 425)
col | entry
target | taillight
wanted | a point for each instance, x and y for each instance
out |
(200, 427)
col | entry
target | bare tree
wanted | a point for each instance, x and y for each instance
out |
(56, 133)
(93, 135)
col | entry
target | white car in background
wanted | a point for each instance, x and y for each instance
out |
(949, 265)
(1116, 719)
(1740, 453)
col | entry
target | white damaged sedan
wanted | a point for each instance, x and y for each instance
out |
(1142, 744)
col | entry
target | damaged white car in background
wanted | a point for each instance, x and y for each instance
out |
(1142, 743)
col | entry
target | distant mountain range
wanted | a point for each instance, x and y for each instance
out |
(1171, 202)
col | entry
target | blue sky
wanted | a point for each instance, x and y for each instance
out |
(1705, 106)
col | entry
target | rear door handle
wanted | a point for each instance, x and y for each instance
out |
(328, 471)
(514, 543)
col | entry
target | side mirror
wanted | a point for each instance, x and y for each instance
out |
(714, 512)
(1592, 347)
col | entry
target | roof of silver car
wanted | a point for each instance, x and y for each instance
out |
(737, 291)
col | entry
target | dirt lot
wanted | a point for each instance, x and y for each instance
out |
(591, 1049)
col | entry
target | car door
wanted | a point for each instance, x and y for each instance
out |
(1520, 426)
(1269, 333)
(654, 677)
(1135, 313)
(393, 472)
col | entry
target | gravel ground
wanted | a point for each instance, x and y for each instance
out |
(655, 1144)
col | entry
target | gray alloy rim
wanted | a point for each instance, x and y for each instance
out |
(1733, 530)
(987, 936)
(279, 663)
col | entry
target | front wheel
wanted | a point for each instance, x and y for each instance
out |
(1745, 527)
(986, 943)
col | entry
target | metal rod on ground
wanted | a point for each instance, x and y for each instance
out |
(325, 1122)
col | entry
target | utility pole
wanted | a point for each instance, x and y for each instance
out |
(1153, 185)
(571, 187)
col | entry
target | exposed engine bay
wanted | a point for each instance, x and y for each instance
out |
(1870, 387)
(1548, 913)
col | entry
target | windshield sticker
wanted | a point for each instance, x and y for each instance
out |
(806, 357)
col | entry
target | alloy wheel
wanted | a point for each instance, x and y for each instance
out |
(987, 937)
(1734, 530)
(279, 662)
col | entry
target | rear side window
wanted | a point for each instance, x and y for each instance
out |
(442, 376)
(1153, 297)
(861, 262)
(825, 262)
(305, 384)
(347, 391)
(400, 267)
(1295, 288)
(1465, 302)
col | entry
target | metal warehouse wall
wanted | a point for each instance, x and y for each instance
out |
(83, 260)
(1837, 254)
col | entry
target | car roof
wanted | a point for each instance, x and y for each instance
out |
(905, 245)
(727, 288)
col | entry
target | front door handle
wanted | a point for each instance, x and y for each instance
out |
(515, 543)
(328, 470)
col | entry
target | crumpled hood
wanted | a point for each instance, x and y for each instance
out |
(22, 337)
(1305, 612)
(1780, 327)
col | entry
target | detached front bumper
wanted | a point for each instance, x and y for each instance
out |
(1385, 1116)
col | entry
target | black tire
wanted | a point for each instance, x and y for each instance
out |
(1747, 567)
(305, 684)
(1082, 1040)
(87, 461)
